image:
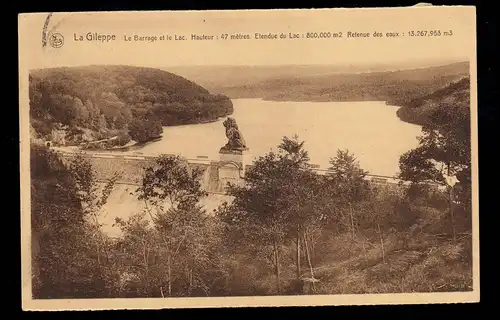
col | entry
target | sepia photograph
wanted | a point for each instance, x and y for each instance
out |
(337, 161)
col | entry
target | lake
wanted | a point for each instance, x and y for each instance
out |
(369, 129)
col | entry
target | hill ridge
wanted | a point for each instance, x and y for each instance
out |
(99, 101)
(315, 83)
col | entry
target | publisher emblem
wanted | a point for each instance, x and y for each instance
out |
(56, 40)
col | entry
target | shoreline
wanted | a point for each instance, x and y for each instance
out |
(139, 145)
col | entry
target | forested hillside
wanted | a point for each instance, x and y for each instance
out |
(73, 105)
(310, 84)
(445, 116)
(432, 107)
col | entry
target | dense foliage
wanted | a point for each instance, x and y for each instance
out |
(145, 128)
(67, 245)
(287, 226)
(97, 102)
(438, 106)
(444, 150)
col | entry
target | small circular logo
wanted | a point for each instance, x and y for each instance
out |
(56, 40)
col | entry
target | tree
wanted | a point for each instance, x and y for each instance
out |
(276, 200)
(121, 139)
(195, 237)
(174, 255)
(304, 191)
(171, 179)
(171, 191)
(444, 150)
(145, 129)
(346, 180)
(137, 258)
(66, 263)
(93, 198)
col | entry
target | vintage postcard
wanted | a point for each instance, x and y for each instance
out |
(182, 159)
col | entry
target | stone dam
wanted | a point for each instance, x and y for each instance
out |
(216, 173)
(123, 201)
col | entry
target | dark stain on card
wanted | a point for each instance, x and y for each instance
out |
(44, 33)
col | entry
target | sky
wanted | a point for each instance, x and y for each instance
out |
(341, 51)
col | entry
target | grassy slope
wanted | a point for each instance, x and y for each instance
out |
(420, 263)
(425, 263)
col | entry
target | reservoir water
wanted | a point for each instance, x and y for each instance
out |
(369, 129)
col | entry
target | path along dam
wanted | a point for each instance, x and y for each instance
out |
(123, 201)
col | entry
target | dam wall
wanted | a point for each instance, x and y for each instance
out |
(123, 201)
(215, 176)
(216, 173)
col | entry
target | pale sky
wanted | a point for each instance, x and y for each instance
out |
(341, 51)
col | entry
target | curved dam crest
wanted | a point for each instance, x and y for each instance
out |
(123, 201)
